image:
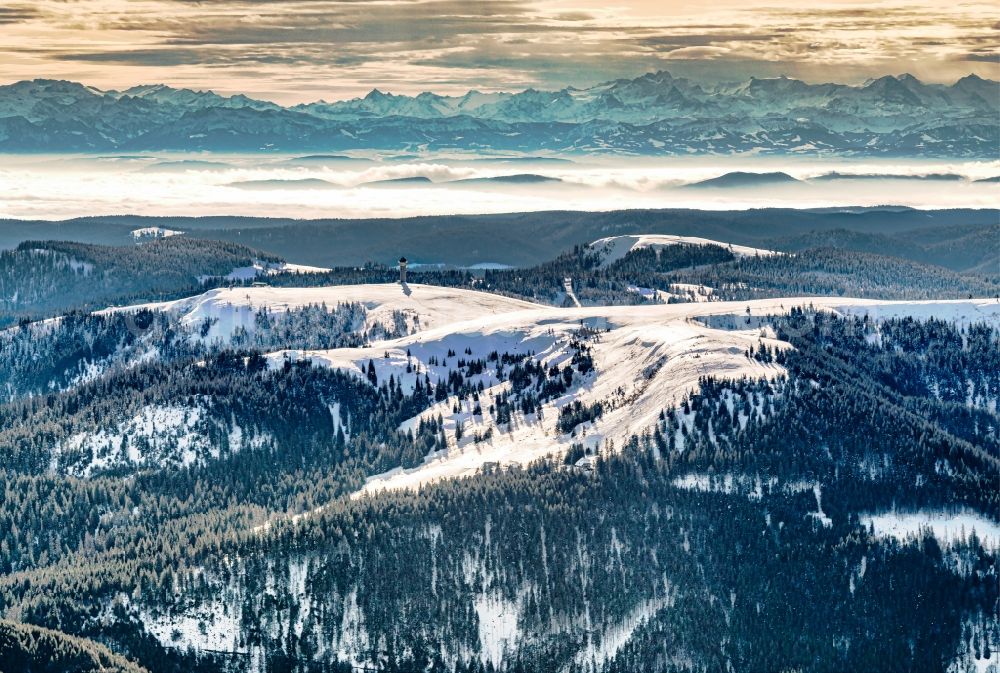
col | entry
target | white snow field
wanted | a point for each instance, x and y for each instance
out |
(947, 527)
(614, 248)
(178, 435)
(646, 359)
(424, 306)
(260, 268)
(155, 232)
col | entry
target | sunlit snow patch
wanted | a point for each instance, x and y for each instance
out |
(614, 248)
(259, 268)
(947, 527)
(230, 309)
(154, 232)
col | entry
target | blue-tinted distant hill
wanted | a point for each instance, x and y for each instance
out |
(959, 239)
(742, 179)
(517, 179)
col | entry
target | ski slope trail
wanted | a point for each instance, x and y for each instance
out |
(568, 284)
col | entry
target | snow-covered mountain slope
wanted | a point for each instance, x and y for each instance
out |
(178, 435)
(654, 114)
(187, 99)
(642, 365)
(645, 359)
(658, 96)
(614, 248)
(640, 361)
(422, 306)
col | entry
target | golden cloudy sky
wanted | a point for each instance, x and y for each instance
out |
(304, 50)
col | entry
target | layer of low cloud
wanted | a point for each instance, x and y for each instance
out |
(300, 50)
(49, 188)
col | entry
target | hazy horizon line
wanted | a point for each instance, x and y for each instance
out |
(857, 84)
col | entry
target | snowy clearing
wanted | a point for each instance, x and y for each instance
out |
(614, 637)
(646, 359)
(178, 435)
(155, 232)
(498, 629)
(614, 248)
(213, 626)
(425, 306)
(947, 527)
(260, 268)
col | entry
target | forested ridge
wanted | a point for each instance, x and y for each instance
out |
(79, 347)
(958, 239)
(686, 272)
(732, 535)
(42, 278)
(958, 248)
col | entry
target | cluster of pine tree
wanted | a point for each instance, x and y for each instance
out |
(836, 272)
(32, 649)
(594, 282)
(730, 535)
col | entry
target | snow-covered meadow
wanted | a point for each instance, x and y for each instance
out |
(948, 527)
(646, 358)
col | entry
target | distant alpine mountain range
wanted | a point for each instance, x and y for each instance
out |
(656, 114)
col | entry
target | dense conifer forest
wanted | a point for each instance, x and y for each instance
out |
(192, 501)
(721, 537)
(31, 649)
